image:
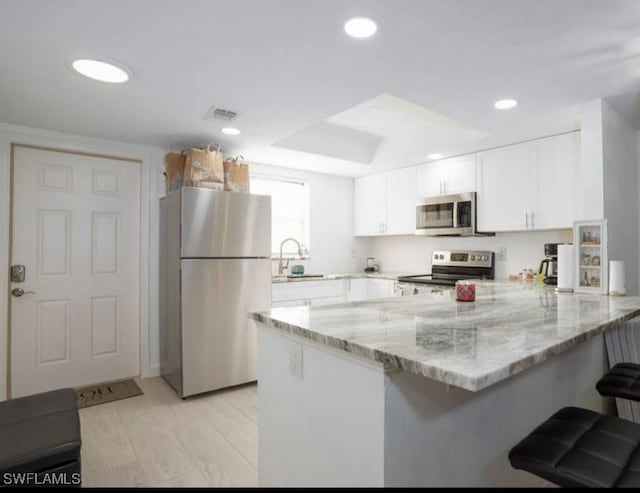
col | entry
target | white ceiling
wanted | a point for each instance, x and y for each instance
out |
(286, 66)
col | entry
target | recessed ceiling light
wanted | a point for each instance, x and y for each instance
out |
(360, 27)
(230, 131)
(505, 104)
(102, 71)
(435, 156)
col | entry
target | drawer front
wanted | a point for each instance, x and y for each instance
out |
(300, 290)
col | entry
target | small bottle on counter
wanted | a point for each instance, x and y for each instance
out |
(530, 275)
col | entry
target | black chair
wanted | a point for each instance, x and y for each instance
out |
(622, 381)
(40, 434)
(580, 448)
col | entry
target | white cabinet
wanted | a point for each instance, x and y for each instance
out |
(447, 176)
(380, 288)
(385, 203)
(502, 188)
(299, 293)
(370, 204)
(401, 202)
(460, 174)
(331, 300)
(554, 171)
(369, 289)
(356, 289)
(330, 291)
(528, 186)
(430, 177)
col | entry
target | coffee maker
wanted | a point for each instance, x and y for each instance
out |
(549, 265)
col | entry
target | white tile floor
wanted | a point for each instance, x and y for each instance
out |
(157, 439)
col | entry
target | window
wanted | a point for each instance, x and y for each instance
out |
(289, 212)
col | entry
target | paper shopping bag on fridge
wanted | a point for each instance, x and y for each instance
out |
(204, 168)
(236, 175)
(174, 170)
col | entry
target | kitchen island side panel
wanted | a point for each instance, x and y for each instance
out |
(443, 436)
(325, 429)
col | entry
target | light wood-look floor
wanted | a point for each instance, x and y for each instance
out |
(157, 439)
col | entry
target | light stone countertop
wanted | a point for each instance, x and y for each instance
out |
(509, 328)
(392, 276)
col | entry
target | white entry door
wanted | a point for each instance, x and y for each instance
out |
(76, 229)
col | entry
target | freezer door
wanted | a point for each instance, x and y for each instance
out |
(219, 342)
(225, 224)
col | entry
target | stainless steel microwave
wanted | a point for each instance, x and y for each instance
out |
(447, 215)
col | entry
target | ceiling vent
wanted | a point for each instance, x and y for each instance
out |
(220, 114)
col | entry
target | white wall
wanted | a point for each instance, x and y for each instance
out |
(620, 164)
(413, 253)
(589, 189)
(151, 159)
(331, 236)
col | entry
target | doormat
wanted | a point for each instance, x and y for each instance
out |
(106, 392)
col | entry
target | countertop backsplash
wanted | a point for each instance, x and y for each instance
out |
(413, 253)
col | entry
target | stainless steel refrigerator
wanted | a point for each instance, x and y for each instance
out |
(215, 269)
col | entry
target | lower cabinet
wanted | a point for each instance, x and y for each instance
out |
(356, 289)
(380, 288)
(304, 293)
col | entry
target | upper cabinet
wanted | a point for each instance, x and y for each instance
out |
(370, 204)
(520, 187)
(555, 165)
(401, 202)
(529, 185)
(502, 188)
(447, 176)
(385, 203)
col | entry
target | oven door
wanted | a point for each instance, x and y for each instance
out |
(447, 215)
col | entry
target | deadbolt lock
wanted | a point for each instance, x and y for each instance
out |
(18, 273)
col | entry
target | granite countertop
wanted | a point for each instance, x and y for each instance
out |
(509, 328)
(392, 276)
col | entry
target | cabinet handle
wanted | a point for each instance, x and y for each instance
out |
(444, 186)
(441, 192)
(533, 224)
(526, 220)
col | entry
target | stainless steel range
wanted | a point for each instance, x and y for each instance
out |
(450, 266)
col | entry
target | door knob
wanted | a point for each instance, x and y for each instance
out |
(18, 292)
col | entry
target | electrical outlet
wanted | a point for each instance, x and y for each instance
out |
(295, 360)
(502, 253)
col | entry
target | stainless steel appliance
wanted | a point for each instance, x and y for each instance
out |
(447, 215)
(448, 267)
(215, 268)
(549, 265)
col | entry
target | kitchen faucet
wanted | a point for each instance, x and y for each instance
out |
(281, 266)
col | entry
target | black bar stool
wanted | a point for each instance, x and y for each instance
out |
(622, 381)
(580, 448)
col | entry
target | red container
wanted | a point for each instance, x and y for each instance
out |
(465, 291)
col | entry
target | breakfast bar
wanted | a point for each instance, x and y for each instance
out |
(423, 390)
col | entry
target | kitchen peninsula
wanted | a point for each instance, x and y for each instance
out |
(423, 390)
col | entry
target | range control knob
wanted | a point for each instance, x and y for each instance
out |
(441, 257)
(435, 256)
(473, 257)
